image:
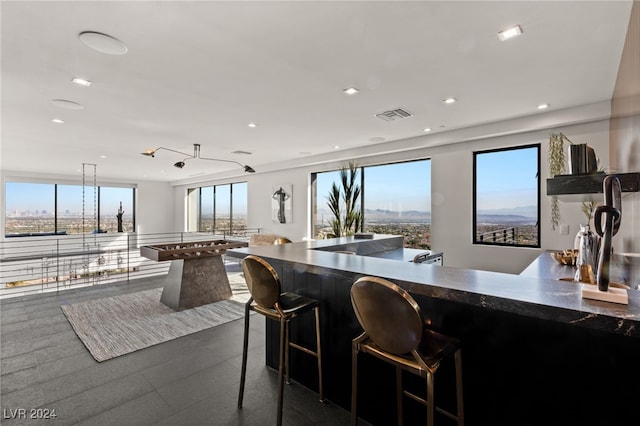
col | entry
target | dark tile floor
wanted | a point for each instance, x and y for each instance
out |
(192, 380)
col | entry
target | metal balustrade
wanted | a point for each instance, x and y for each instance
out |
(506, 235)
(30, 265)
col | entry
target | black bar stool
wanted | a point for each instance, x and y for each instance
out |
(268, 300)
(394, 332)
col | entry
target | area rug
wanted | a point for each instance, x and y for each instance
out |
(118, 325)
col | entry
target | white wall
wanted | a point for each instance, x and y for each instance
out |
(452, 189)
(155, 212)
(452, 198)
(260, 214)
(156, 209)
(161, 207)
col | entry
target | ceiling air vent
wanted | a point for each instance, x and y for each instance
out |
(394, 114)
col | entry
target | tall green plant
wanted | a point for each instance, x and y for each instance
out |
(343, 201)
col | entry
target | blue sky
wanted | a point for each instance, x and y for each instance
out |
(35, 196)
(223, 199)
(389, 187)
(506, 179)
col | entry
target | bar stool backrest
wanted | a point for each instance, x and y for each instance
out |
(281, 240)
(262, 280)
(388, 314)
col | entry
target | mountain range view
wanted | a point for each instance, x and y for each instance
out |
(515, 215)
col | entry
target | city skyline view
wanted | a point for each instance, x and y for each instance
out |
(24, 197)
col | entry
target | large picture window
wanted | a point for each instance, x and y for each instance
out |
(30, 208)
(396, 199)
(49, 208)
(115, 202)
(218, 209)
(506, 202)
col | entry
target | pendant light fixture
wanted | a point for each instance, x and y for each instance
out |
(196, 155)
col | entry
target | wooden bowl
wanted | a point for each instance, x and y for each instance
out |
(565, 257)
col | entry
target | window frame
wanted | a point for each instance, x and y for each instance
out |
(198, 206)
(474, 239)
(56, 217)
(362, 169)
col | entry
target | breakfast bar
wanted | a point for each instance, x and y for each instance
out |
(534, 351)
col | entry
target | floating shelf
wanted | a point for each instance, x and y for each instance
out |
(588, 187)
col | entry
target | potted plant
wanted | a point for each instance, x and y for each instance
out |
(343, 201)
(557, 166)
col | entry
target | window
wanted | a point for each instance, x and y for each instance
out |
(218, 209)
(206, 209)
(239, 215)
(322, 214)
(222, 208)
(506, 202)
(69, 209)
(43, 209)
(29, 208)
(114, 201)
(396, 200)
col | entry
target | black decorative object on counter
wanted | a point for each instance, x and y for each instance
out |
(588, 245)
(609, 215)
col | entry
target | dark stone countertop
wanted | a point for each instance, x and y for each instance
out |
(536, 293)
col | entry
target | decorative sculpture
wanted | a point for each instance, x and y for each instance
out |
(119, 217)
(609, 214)
(280, 195)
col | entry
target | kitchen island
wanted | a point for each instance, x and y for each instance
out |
(534, 351)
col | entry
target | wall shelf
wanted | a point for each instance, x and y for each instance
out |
(588, 187)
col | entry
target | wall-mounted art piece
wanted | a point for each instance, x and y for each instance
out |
(281, 203)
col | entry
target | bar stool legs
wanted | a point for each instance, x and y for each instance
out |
(317, 353)
(245, 346)
(459, 393)
(284, 353)
(319, 356)
(266, 299)
(283, 359)
(404, 342)
(401, 393)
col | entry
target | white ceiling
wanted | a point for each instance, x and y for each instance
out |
(200, 71)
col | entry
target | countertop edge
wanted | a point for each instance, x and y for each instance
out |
(529, 294)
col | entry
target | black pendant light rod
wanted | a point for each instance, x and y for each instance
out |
(196, 154)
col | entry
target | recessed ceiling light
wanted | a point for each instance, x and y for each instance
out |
(81, 81)
(103, 156)
(543, 106)
(336, 147)
(427, 129)
(252, 125)
(377, 139)
(449, 100)
(103, 43)
(57, 121)
(67, 104)
(510, 33)
(350, 91)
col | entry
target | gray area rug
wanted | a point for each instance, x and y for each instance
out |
(114, 326)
